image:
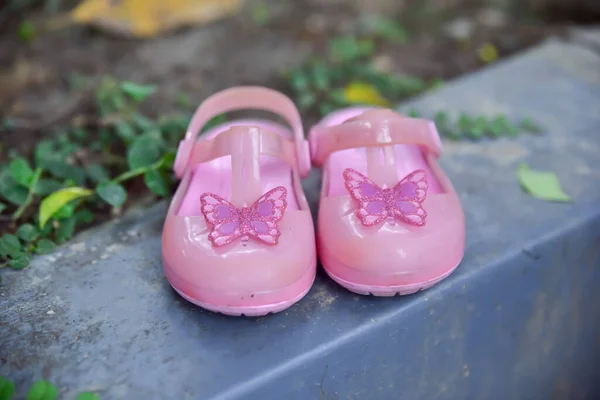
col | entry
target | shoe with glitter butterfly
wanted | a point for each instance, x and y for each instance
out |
(390, 221)
(239, 236)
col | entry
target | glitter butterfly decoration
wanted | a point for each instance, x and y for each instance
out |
(403, 202)
(258, 221)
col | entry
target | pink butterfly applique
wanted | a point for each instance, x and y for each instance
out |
(258, 221)
(404, 201)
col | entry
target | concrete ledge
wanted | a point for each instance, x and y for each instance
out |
(518, 319)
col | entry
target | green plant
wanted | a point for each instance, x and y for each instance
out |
(346, 76)
(83, 171)
(476, 127)
(385, 28)
(320, 85)
(87, 172)
(40, 390)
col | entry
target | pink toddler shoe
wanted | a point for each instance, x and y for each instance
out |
(239, 236)
(390, 221)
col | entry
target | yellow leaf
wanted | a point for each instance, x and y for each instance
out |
(488, 53)
(364, 93)
(148, 18)
(54, 202)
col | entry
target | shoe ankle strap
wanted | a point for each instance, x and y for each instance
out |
(373, 128)
(238, 98)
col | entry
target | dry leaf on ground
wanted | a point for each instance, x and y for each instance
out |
(148, 18)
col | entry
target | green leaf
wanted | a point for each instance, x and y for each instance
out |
(28, 233)
(337, 96)
(498, 126)
(441, 118)
(46, 230)
(183, 100)
(174, 127)
(478, 127)
(63, 170)
(10, 245)
(7, 123)
(84, 216)
(51, 204)
(143, 123)
(529, 126)
(97, 173)
(464, 122)
(20, 261)
(42, 390)
(65, 211)
(44, 152)
(299, 80)
(412, 113)
(386, 28)
(26, 31)
(325, 109)
(541, 185)
(105, 137)
(145, 150)
(125, 131)
(87, 396)
(80, 134)
(10, 189)
(113, 193)
(137, 92)
(307, 100)
(45, 246)
(512, 130)
(261, 14)
(65, 230)
(2, 207)
(66, 148)
(46, 186)
(76, 81)
(7, 388)
(349, 48)
(407, 86)
(168, 159)
(320, 76)
(214, 121)
(20, 171)
(156, 183)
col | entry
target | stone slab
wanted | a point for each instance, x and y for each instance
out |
(588, 36)
(518, 319)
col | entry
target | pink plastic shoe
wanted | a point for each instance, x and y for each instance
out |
(239, 237)
(390, 221)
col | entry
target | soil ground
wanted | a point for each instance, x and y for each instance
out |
(35, 77)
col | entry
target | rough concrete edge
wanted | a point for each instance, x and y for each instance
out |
(438, 292)
(543, 49)
(588, 36)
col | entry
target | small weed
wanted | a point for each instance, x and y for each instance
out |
(345, 77)
(261, 14)
(26, 31)
(385, 28)
(40, 390)
(476, 127)
(83, 172)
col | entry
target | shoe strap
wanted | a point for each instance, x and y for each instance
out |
(373, 128)
(238, 98)
(245, 145)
